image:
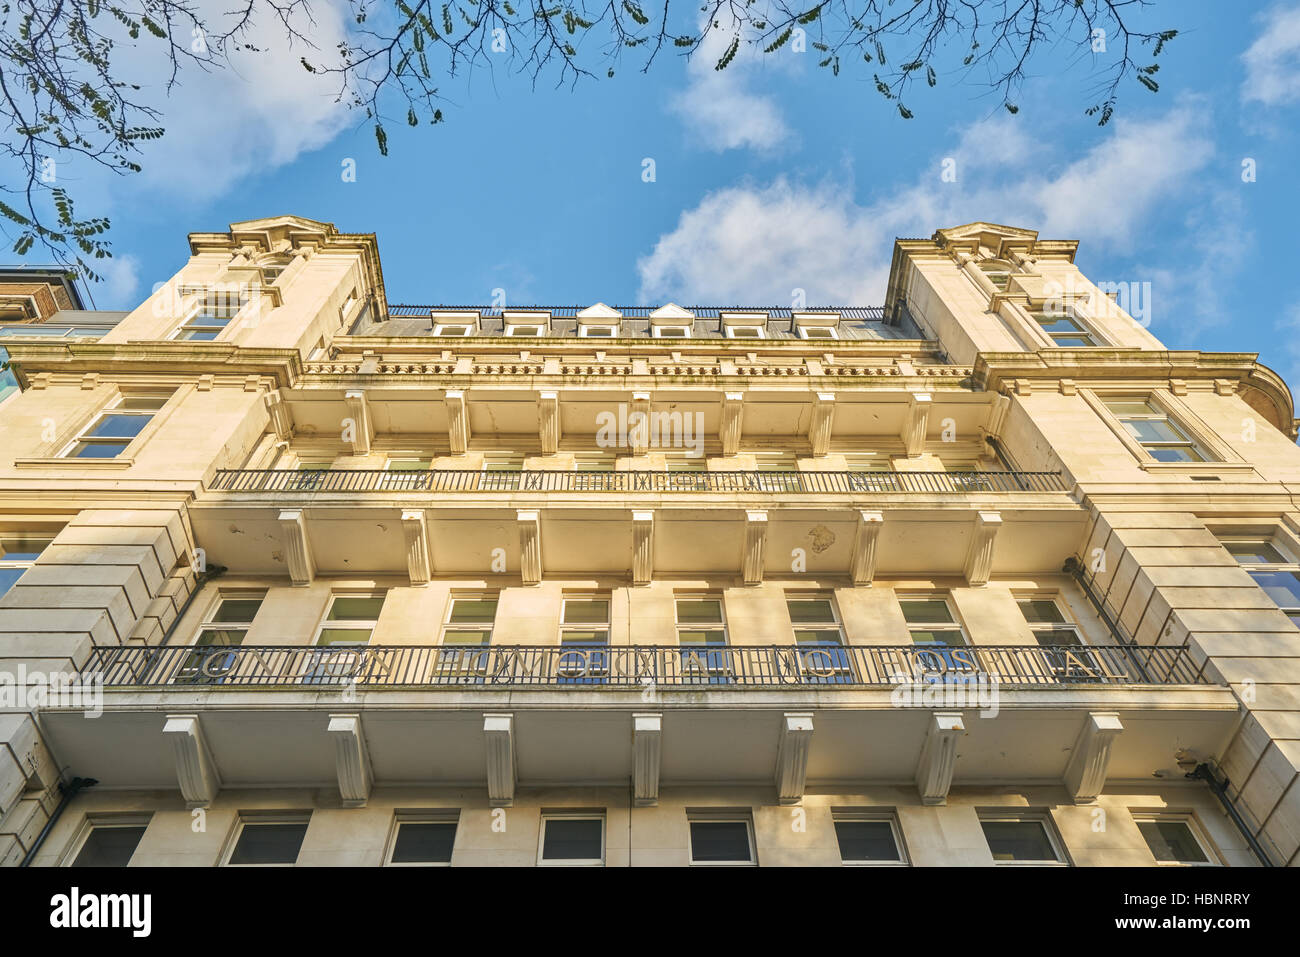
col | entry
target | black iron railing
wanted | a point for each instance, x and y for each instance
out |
(473, 480)
(431, 666)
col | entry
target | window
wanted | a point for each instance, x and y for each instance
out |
(817, 632)
(721, 839)
(1173, 839)
(868, 838)
(225, 627)
(687, 470)
(348, 625)
(584, 639)
(818, 332)
(572, 838)
(407, 471)
(422, 838)
(17, 554)
(1021, 839)
(211, 317)
(1163, 439)
(1064, 330)
(1052, 628)
(273, 270)
(596, 332)
(468, 626)
(450, 329)
(671, 332)
(744, 332)
(110, 432)
(268, 841)
(782, 472)
(593, 470)
(109, 844)
(997, 272)
(513, 330)
(1273, 566)
(501, 471)
(702, 635)
(931, 624)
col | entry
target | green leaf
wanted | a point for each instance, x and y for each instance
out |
(382, 139)
(904, 112)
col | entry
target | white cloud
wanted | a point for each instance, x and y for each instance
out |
(755, 243)
(120, 288)
(1273, 60)
(719, 107)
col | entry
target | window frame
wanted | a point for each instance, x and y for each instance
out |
(1042, 313)
(955, 624)
(832, 331)
(606, 330)
(658, 331)
(710, 673)
(1281, 543)
(1219, 456)
(1015, 815)
(514, 330)
(204, 300)
(191, 671)
(421, 816)
(110, 408)
(104, 820)
(576, 814)
(466, 665)
(244, 818)
(720, 816)
(1188, 819)
(27, 537)
(853, 815)
(760, 331)
(440, 329)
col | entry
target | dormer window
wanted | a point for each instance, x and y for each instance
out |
(596, 332)
(672, 332)
(818, 332)
(744, 332)
(450, 329)
(521, 330)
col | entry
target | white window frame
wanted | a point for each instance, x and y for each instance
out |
(208, 624)
(852, 815)
(112, 409)
(1212, 856)
(745, 817)
(201, 301)
(1218, 456)
(515, 329)
(243, 819)
(832, 332)
(96, 820)
(1009, 271)
(1041, 818)
(955, 625)
(597, 330)
(421, 816)
(499, 484)
(730, 331)
(1279, 541)
(1069, 623)
(658, 331)
(348, 624)
(440, 329)
(466, 662)
(572, 815)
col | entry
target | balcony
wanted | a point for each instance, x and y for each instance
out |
(427, 667)
(787, 482)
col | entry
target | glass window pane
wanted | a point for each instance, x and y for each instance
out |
(456, 636)
(1122, 406)
(818, 636)
(697, 610)
(1282, 587)
(1018, 841)
(720, 841)
(1255, 553)
(114, 426)
(1041, 610)
(143, 403)
(703, 637)
(221, 637)
(926, 611)
(811, 611)
(1057, 636)
(586, 637)
(97, 450)
(866, 841)
(237, 609)
(8, 577)
(109, 847)
(1172, 841)
(269, 844)
(951, 637)
(409, 465)
(344, 636)
(424, 842)
(21, 549)
(1073, 341)
(355, 609)
(466, 610)
(572, 840)
(1154, 430)
(1058, 323)
(1175, 453)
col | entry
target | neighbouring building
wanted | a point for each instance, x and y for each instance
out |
(984, 576)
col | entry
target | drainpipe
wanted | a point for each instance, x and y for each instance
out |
(1204, 773)
(69, 791)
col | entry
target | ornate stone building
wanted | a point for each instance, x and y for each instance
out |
(987, 576)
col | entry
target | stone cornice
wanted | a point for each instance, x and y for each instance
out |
(186, 360)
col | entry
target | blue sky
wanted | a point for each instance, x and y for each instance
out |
(769, 177)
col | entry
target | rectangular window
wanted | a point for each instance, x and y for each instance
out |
(264, 842)
(868, 838)
(423, 838)
(997, 272)
(1065, 331)
(721, 839)
(501, 471)
(523, 330)
(594, 470)
(596, 332)
(744, 332)
(468, 627)
(671, 332)
(1164, 439)
(110, 432)
(1021, 839)
(347, 626)
(572, 838)
(1273, 566)
(211, 318)
(109, 844)
(702, 635)
(450, 329)
(407, 471)
(225, 627)
(779, 472)
(584, 640)
(18, 552)
(820, 638)
(1174, 840)
(930, 622)
(818, 332)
